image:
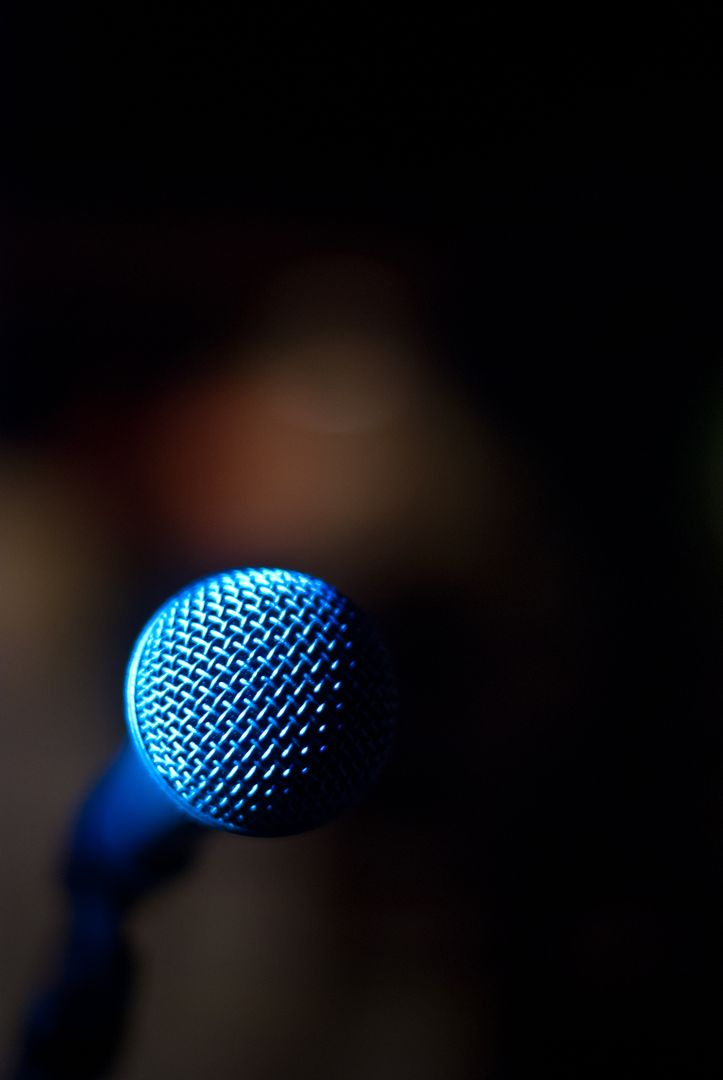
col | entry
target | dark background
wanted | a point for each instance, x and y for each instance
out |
(482, 256)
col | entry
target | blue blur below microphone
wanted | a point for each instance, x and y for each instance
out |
(258, 701)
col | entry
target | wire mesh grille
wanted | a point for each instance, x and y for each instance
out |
(263, 700)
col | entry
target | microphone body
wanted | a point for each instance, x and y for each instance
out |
(125, 835)
(260, 702)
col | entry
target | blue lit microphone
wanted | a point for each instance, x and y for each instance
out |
(259, 702)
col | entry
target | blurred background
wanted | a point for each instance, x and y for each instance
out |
(431, 309)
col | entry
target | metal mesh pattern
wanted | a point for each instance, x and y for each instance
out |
(262, 699)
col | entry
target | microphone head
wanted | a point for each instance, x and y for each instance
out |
(262, 701)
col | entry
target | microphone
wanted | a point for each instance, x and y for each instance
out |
(258, 701)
